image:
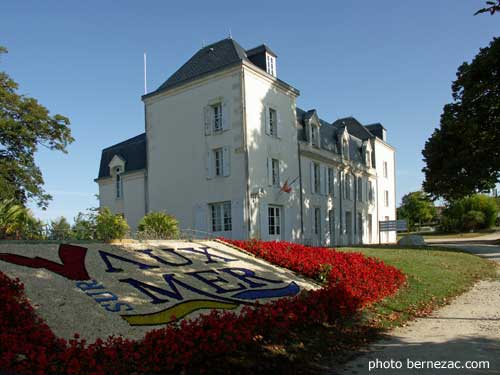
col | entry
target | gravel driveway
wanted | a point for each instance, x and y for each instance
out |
(466, 330)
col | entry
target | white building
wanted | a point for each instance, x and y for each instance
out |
(227, 151)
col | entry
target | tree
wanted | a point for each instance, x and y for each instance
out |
(492, 8)
(417, 208)
(158, 225)
(17, 222)
(84, 226)
(462, 156)
(24, 126)
(110, 226)
(60, 229)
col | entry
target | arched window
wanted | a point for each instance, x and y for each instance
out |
(118, 183)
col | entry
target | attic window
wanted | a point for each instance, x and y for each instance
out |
(345, 149)
(271, 65)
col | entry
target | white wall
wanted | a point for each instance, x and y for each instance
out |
(385, 153)
(132, 202)
(178, 147)
(326, 201)
(262, 92)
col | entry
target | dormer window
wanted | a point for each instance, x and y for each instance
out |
(345, 149)
(315, 136)
(368, 158)
(271, 64)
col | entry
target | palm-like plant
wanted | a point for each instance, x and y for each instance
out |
(11, 214)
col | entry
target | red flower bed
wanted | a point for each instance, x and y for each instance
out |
(28, 346)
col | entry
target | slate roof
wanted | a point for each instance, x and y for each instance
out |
(354, 127)
(376, 129)
(329, 134)
(207, 60)
(260, 49)
(133, 151)
(210, 59)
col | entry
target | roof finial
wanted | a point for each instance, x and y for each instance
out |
(202, 43)
(230, 36)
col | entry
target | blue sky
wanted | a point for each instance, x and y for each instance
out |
(386, 61)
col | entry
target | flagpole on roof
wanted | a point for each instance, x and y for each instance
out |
(145, 75)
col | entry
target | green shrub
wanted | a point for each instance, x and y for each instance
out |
(473, 220)
(457, 216)
(158, 225)
(110, 226)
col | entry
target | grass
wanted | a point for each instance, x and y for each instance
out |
(435, 275)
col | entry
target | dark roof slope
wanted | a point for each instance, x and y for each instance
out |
(260, 49)
(214, 57)
(133, 151)
(207, 60)
(330, 133)
(376, 129)
(354, 127)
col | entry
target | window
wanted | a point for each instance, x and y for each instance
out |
(317, 220)
(345, 149)
(274, 220)
(275, 172)
(385, 169)
(331, 224)
(386, 198)
(315, 136)
(317, 178)
(271, 65)
(348, 223)
(217, 117)
(221, 217)
(347, 187)
(360, 189)
(218, 157)
(370, 191)
(368, 159)
(331, 181)
(370, 227)
(273, 122)
(118, 181)
(359, 227)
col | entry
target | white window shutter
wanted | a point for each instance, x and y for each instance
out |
(282, 172)
(210, 167)
(334, 176)
(312, 178)
(226, 161)
(278, 124)
(322, 180)
(266, 120)
(207, 114)
(269, 171)
(226, 121)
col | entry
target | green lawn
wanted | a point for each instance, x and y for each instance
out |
(434, 276)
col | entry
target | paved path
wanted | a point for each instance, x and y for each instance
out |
(466, 330)
(487, 237)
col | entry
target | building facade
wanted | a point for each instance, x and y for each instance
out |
(227, 151)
